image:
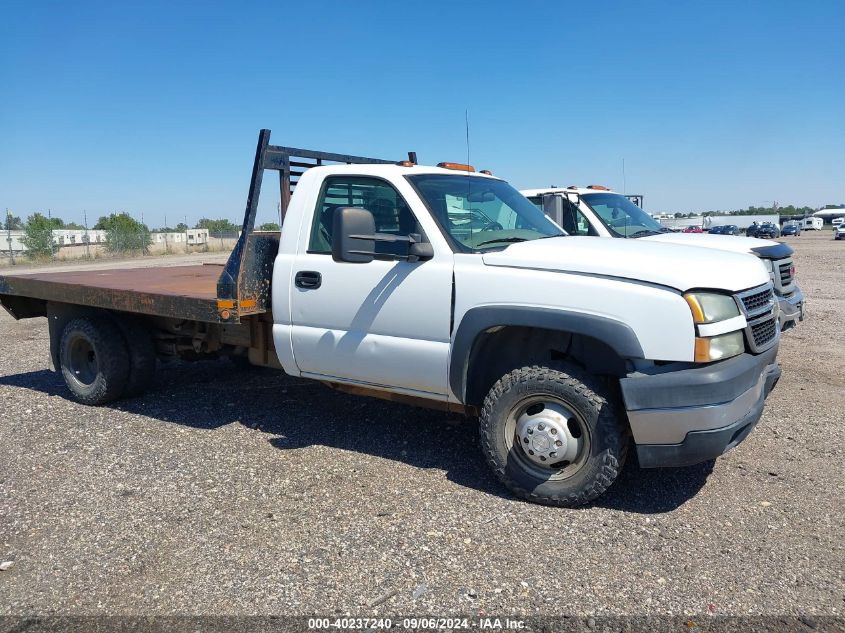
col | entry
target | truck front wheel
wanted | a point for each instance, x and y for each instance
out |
(94, 360)
(552, 435)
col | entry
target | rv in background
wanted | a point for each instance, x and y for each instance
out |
(811, 224)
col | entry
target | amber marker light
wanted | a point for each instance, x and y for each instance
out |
(456, 166)
(697, 311)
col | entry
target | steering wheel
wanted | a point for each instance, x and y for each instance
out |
(493, 226)
(382, 209)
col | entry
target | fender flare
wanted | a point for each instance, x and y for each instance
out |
(617, 335)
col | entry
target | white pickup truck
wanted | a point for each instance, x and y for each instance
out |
(447, 288)
(599, 212)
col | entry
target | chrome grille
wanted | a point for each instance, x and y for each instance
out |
(764, 332)
(757, 302)
(761, 316)
(785, 271)
(782, 275)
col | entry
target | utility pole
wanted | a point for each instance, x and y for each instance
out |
(9, 235)
(87, 236)
(186, 233)
(50, 223)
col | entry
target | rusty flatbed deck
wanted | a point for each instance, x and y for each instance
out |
(185, 292)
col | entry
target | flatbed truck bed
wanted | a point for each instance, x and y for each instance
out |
(185, 292)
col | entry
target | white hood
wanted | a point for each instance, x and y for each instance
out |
(680, 267)
(733, 243)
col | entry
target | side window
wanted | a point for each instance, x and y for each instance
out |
(582, 226)
(537, 201)
(390, 211)
(573, 221)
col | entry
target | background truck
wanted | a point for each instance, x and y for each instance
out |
(446, 288)
(599, 212)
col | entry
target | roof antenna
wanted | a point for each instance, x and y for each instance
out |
(466, 122)
(624, 188)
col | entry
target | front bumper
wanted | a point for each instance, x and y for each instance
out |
(791, 309)
(691, 415)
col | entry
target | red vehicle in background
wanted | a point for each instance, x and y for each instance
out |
(693, 229)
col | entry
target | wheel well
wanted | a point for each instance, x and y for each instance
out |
(501, 349)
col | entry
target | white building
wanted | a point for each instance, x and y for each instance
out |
(741, 221)
(191, 237)
(167, 238)
(72, 237)
(828, 215)
(61, 237)
(12, 240)
(197, 236)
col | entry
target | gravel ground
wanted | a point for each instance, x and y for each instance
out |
(240, 492)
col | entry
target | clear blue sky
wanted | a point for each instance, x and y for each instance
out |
(155, 107)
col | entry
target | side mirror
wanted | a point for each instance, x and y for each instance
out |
(352, 230)
(553, 208)
(418, 251)
(354, 239)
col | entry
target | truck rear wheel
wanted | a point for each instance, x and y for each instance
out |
(94, 360)
(552, 435)
(142, 356)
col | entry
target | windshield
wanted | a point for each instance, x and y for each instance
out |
(480, 214)
(621, 216)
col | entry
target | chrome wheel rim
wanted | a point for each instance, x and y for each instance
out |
(547, 437)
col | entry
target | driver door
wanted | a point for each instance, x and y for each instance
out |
(383, 323)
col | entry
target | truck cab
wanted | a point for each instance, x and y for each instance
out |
(597, 211)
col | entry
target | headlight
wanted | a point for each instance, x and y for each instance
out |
(708, 307)
(708, 349)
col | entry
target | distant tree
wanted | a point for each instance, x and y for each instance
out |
(56, 223)
(787, 210)
(74, 226)
(38, 237)
(269, 226)
(179, 228)
(215, 227)
(12, 223)
(124, 233)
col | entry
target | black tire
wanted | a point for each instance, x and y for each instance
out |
(602, 443)
(94, 360)
(142, 356)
